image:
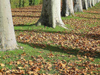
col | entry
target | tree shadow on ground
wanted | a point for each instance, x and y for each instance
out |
(93, 13)
(28, 11)
(88, 17)
(93, 36)
(25, 16)
(89, 36)
(64, 50)
(24, 25)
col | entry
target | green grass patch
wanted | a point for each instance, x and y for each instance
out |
(38, 28)
(70, 55)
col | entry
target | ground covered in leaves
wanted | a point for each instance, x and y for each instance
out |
(48, 51)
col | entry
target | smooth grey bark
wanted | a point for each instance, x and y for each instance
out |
(7, 34)
(84, 4)
(51, 14)
(67, 8)
(92, 3)
(89, 3)
(71, 8)
(78, 6)
(97, 1)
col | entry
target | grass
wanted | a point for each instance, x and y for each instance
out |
(33, 50)
(69, 55)
(39, 29)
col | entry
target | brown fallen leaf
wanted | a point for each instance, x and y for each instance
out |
(1, 64)
(91, 59)
(1, 73)
(20, 68)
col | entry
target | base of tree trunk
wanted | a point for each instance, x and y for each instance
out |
(67, 8)
(85, 4)
(50, 15)
(78, 6)
(89, 3)
(9, 49)
(41, 22)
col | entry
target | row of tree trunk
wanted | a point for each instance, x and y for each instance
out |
(71, 6)
(50, 16)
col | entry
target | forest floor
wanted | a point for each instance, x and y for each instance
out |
(56, 51)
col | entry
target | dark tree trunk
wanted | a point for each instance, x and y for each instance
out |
(65, 9)
(85, 4)
(19, 3)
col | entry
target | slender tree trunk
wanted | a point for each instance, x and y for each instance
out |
(89, 3)
(92, 3)
(65, 9)
(50, 15)
(71, 8)
(23, 3)
(98, 1)
(78, 6)
(19, 3)
(84, 4)
(7, 34)
(95, 1)
(30, 2)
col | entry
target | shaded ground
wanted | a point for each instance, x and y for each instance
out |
(26, 15)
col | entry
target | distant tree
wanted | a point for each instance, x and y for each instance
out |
(78, 6)
(85, 4)
(19, 3)
(89, 3)
(23, 3)
(92, 3)
(7, 34)
(30, 2)
(51, 15)
(67, 8)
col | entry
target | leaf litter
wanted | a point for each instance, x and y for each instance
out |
(88, 43)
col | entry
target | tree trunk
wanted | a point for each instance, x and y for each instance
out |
(30, 2)
(50, 15)
(78, 6)
(23, 3)
(71, 8)
(89, 3)
(97, 1)
(84, 4)
(92, 3)
(65, 9)
(19, 3)
(7, 34)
